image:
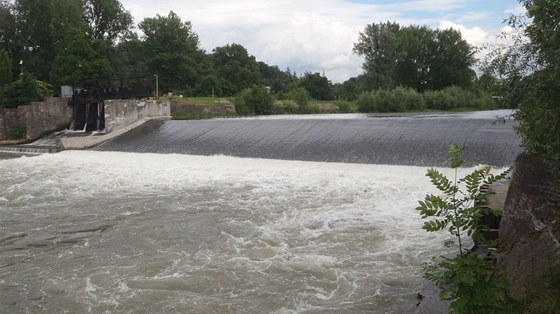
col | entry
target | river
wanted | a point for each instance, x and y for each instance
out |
(143, 232)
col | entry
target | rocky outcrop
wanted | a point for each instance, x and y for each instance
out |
(530, 227)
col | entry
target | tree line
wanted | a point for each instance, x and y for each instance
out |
(61, 42)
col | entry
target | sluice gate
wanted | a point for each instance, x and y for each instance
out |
(88, 99)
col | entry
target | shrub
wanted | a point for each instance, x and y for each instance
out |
(301, 97)
(367, 102)
(344, 106)
(455, 97)
(471, 282)
(255, 100)
(23, 91)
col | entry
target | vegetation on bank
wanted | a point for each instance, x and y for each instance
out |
(96, 40)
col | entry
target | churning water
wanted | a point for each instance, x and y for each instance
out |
(108, 232)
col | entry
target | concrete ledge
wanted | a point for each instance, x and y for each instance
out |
(85, 142)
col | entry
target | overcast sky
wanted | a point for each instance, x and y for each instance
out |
(317, 35)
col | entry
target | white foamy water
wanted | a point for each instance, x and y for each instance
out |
(104, 232)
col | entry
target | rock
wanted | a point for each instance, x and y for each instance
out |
(530, 227)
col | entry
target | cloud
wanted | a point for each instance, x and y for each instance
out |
(474, 36)
(306, 36)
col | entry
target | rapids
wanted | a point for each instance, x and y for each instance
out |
(102, 232)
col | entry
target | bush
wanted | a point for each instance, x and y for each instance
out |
(397, 100)
(367, 102)
(286, 106)
(301, 97)
(454, 97)
(344, 106)
(23, 91)
(472, 282)
(255, 100)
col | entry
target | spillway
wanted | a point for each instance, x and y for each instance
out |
(421, 140)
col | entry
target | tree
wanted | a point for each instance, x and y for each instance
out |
(8, 31)
(41, 25)
(5, 69)
(452, 61)
(414, 56)
(171, 49)
(256, 100)
(234, 64)
(529, 71)
(78, 61)
(317, 85)
(107, 19)
(378, 44)
(24, 91)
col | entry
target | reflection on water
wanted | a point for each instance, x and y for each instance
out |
(145, 233)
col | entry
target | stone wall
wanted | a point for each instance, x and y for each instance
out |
(203, 110)
(530, 226)
(121, 113)
(35, 119)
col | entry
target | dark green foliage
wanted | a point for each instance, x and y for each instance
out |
(171, 50)
(316, 85)
(257, 100)
(414, 56)
(301, 97)
(471, 282)
(399, 99)
(78, 60)
(5, 69)
(106, 19)
(41, 25)
(454, 97)
(233, 64)
(528, 74)
(23, 91)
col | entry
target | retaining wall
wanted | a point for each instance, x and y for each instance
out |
(121, 116)
(121, 113)
(35, 120)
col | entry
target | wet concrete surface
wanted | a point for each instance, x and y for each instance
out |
(421, 140)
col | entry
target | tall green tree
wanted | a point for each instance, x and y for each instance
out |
(539, 114)
(107, 19)
(8, 30)
(414, 56)
(171, 50)
(316, 85)
(234, 64)
(378, 45)
(41, 25)
(78, 60)
(452, 61)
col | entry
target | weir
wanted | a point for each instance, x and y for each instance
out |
(421, 140)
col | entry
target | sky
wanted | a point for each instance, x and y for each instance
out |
(318, 35)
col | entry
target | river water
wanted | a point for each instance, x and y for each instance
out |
(128, 232)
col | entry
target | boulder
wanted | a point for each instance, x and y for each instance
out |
(530, 227)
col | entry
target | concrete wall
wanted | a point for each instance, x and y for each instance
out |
(121, 113)
(35, 119)
(121, 116)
